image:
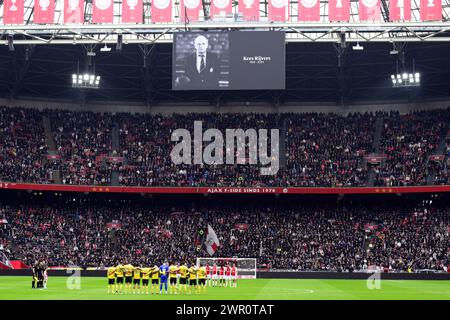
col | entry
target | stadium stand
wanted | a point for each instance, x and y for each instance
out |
(318, 235)
(22, 146)
(321, 150)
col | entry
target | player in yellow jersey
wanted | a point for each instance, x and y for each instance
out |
(173, 269)
(155, 278)
(201, 274)
(136, 279)
(128, 270)
(119, 278)
(145, 272)
(111, 274)
(192, 278)
(184, 273)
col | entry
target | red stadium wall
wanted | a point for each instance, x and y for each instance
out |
(18, 264)
(223, 190)
(4, 266)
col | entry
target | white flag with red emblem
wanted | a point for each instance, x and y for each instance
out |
(212, 242)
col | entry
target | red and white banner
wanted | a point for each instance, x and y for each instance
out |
(430, 10)
(220, 8)
(278, 10)
(241, 226)
(44, 11)
(339, 10)
(73, 11)
(132, 11)
(400, 10)
(308, 10)
(53, 157)
(13, 12)
(249, 9)
(102, 11)
(369, 10)
(114, 225)
(212, 242)
(161, 11)
(190, 10)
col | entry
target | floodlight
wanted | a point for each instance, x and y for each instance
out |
(405, 80)
(85, 80)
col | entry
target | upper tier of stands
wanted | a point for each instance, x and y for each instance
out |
(329, 150)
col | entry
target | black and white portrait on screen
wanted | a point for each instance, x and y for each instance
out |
(201, 61)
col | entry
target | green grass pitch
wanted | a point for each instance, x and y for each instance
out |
(18, 288)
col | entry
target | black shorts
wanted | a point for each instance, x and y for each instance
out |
(173, 281)
(183, 280)
(128, 279)
(201, 281)
(145, 282)
(111, 281)
(119, 279)
(193, 282)
(136, 281)
(155, 281)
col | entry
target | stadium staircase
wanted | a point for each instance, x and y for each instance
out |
(51, 145)
(375, 148)
(440, 150)
(115, 141)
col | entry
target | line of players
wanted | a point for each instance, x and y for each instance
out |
(174, 279)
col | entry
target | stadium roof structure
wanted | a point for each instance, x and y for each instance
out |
(142, 74)
(148, 32)
(320, 63)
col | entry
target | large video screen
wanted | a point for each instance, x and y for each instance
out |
(245, 60)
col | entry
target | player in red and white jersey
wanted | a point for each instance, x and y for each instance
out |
(214, 274)
(208, 275)
(234, 276)
(222, 276)
(227, 275)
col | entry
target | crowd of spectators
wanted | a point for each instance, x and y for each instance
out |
(339, 237)
(408, 141)
(82, 141)
(22, 146)
(326, 150)
(146, 144)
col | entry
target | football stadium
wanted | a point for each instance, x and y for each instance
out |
(225, 150)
